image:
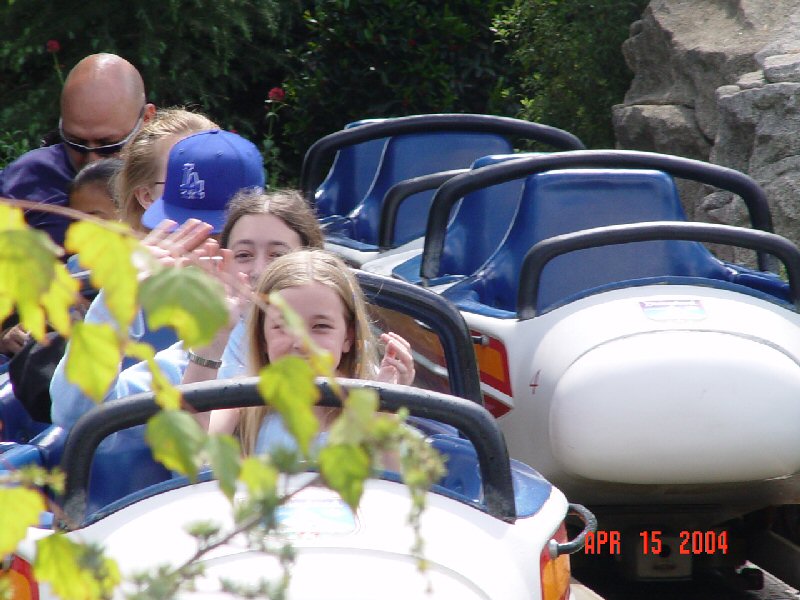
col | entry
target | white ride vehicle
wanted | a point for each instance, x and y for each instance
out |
(649, 380)
(493, 528)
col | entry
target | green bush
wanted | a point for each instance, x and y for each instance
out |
(331, 61)
(218, 56)
(569, 69)
(387, 58)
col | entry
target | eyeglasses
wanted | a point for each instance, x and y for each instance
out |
(106, 150)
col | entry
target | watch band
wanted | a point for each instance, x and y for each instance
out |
(204, 362)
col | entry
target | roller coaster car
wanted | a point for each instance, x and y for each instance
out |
(624, 361)
(489, 519)
(369, 157)
(126, 499)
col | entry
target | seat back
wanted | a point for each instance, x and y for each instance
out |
(463, 474)
(123, 464)
(480, 222)
(350, 176)
(558, 202)
(412, 155)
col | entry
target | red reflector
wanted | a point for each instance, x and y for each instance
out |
(19, 578)
(555, 572)
(493, 366)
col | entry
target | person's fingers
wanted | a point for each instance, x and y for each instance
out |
(391, 335)
(16, 338)
(189, 236)
(159, 232)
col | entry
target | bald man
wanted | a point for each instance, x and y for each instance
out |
(103, 105)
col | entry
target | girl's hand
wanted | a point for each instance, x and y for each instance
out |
(397, 365)
(173, 248)
(218, 263)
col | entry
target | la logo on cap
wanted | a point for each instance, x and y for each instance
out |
(192, 187)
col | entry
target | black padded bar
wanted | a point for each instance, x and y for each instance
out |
(754, 239)
(475, 422)
(438, 314)
(320, 154)
(459, 186)
(397, 194)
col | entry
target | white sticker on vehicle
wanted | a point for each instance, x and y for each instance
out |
(673, 310)
(311, 515)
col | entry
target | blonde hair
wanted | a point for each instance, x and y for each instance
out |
(140, 168)
(299, 268)
(288, 205)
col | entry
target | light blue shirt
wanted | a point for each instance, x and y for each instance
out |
(69, 402)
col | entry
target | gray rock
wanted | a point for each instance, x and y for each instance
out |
(719, 80)
(782, 67)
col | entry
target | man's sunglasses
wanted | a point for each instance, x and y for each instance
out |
(106, 150)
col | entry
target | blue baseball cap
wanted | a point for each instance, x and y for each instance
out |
(204, 171)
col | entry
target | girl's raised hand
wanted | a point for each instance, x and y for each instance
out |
(397, 365)
(171, 246)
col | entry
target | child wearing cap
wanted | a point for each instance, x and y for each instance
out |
(204, 171)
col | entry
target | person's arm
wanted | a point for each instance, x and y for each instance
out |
(223, 420)
(68, 401)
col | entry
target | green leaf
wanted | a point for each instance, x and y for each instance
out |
(175, 438)
(27, 264)
(94, 358)
(106, 250)
(260, 478)
(19, 509)
(345, 467)
(59, 298)
(355, 422)
(74, 570)
(186, 299)
(288, 386)
(11, 218)
(167, 395)
(224, 455)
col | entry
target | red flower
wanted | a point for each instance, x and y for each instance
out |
(276, 94)
(53, 46)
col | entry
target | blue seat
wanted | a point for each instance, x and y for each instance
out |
(350, 176)
(406, 156)
(463, 475)
(122, 465)
(558, 202)
(480, 222)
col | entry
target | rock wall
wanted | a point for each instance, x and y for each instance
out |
(718, 80)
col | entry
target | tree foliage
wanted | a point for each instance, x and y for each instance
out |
(286, 73)
(568, 65)
(219, 56)
(388, 58)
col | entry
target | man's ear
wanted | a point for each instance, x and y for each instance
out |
(144, 196)
(149, 112)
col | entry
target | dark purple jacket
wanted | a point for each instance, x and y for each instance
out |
(42, 175)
